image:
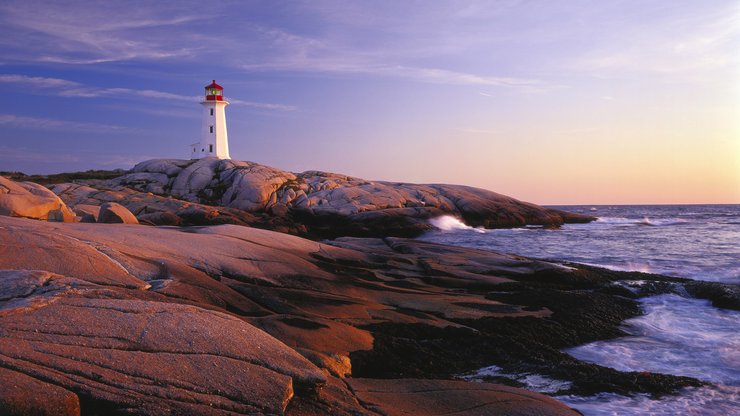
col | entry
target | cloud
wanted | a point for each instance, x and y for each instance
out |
(342, 38)
(39, 82)
(675, 44)
(421, 74)
(265, 106)
(55, 124)
(67, 88)
(83, 33)
(442, 76)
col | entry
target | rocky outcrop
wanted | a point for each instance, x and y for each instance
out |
(722, 295)
(223, 320)
(151, 209)
(24, 395)
(326, 204)
(30, 200)
(447, 397)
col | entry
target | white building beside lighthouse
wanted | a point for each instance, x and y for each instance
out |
(214, 140)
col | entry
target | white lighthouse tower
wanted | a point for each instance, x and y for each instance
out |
(214, 141)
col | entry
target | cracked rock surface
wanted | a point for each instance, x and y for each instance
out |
(223, 320)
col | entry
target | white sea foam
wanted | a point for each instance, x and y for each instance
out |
(680, 336)
(705, 401)
(535, 382)
(644, 221)
(450, 223)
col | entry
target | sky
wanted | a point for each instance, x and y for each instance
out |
(552, 102)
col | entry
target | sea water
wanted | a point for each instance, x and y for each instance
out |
(677, 334)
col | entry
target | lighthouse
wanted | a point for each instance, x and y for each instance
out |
(214, 141)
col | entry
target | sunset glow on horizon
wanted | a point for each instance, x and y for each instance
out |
(578, 102)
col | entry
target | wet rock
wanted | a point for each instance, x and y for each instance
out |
(722, 295)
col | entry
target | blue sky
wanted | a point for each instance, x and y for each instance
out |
(547, 101)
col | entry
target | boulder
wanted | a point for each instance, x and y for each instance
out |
(253, 187)
(113, 213)
(191, 181)
(87, 213)
(30, 200)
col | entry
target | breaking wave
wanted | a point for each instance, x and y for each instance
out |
(710, 400)
(450, 223)
(678, 336)
(643, 221)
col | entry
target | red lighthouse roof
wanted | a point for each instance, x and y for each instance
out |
(214, 85)
(214, 92)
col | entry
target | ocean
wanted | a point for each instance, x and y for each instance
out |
(677, 334)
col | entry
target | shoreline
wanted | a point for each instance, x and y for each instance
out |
(346, 318)
(357, 309)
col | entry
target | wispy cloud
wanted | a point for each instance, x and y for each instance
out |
(38, 82)
(441, 76)
(86, 33)
(264, 106)
(55, 124)
(421, 74)
(67, 88)
(671, 45)
(355, 38)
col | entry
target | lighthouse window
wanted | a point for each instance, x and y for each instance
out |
(211, 111)
(211, 128)
(210, 148)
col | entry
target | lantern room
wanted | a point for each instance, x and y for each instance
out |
(214, 92)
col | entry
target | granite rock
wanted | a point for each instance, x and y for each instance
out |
(222, 320)
(30, 200)
(330, 204)
(115, 213)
